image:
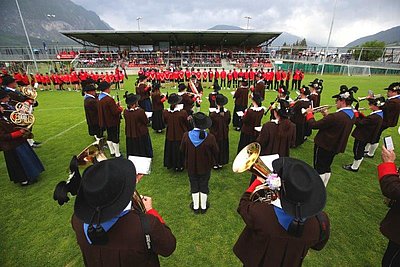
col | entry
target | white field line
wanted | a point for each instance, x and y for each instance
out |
(63, 132)
(47, 109)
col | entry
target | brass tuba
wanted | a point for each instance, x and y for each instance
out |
(248, 160)
(94, 153)
(29, 92)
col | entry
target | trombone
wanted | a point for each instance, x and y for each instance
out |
(318, 109)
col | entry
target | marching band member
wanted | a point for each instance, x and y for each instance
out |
(334, 131)
(110, 230)
(221, 118)
(251, 118)
(157, 100)
(199, 88)
(391, 112)
(91, 111)
(23, 165)
(138, 142)
(187, 99)
(279, 134)
(390, 186)
(177, 124)
(213, 95)
(280, 233)
(143, 90)
(260, 86)
(367, 128)
(315, 96)
(109, 118)
(298, 118)
(241, 97)
(200, 150)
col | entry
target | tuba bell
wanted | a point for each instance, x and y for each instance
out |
(248, 160)
(94, 153)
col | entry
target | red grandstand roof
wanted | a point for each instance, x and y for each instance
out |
(175, 38)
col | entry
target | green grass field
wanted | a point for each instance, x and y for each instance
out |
(36, 231)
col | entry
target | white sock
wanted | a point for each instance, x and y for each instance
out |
(372, 149)
(196, 200)
(322, 177)
(327, 177)
(111, 147)
(356, 164)
(116, 148)
(367, 147)
(30, 141)
(203, 201)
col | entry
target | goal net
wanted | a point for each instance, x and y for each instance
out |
(354, 70)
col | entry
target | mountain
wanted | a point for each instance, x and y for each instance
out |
(390, 37)
(43, 21)
(225, 28)
(289, 39)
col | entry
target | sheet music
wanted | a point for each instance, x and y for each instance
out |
(269, 159)
(179, 106)
(142, 164)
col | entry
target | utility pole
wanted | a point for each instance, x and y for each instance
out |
(27, 37)
(329, 38)
(138, 22)
(248, 20)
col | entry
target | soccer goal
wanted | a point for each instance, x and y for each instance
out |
(355, 70)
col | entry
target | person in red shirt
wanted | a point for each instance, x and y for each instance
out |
(230, 78)
(18, 78)
(296, 77)
(283, 78)
(216, 74)
(38, 80)
(252, 77)
(235, 76)
(246, 75)
(278, 78)
(187, 74)
(74, 80)
(198, 75)
(116, 79)
(288, 76)
(32, 79)
(24, 79)
(121, 79)
(301, 77)
(204, 74)
(181, 75)
(210, 75)
(44, 82)
(223, 79)
(270, 78)
(48, 81)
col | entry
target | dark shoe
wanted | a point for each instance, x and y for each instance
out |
(196, 211)
(26, 183)
(112, 155)
(368, 156)
(349, 168)
(36, 144)
(205, 210)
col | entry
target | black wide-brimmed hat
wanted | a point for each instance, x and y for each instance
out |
(7, 79)
(221, 100)
(201, 121)
(257, 98)
(181, 87)
(302, 193)
(281, 107)
(283, 90)
(105, 191)
(131, 98)
(346, 93)
(3, 93)
(314, 83)
(393, 87)
(378, 101)
(305, 90)
(174, 99)
(89, 87)
(103, 86)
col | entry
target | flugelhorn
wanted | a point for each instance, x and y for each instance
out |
(368, 96)
(94, 153)
(29, 92)
(317, 109)
(248, 160)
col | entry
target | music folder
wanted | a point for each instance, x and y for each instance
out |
(179, 106)
(142, 164)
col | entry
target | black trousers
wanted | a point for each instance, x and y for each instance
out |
(378, 137)
(229, 83)
(294, 84)
(223, 82)
(235, 83)
(113, 134)
(322, 159)
(95, 130)
(358, 149)
(199, 182)
(391, 258)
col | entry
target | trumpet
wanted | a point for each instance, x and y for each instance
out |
(318, 109)
(368, 96)
(94, 153)
(248, 160)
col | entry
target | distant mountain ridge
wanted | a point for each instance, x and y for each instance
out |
(223, 27)
(390, 37)
(44, 19)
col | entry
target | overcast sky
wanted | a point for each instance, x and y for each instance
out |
(309, 18)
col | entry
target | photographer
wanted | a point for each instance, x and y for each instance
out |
(389, 181)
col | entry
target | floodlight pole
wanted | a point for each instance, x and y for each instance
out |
(248, 20)
(329, 38)
(138, 22)
(27, 37)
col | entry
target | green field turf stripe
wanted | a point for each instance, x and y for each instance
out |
(63, 132)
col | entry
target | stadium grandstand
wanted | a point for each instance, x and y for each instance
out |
(197, 49)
